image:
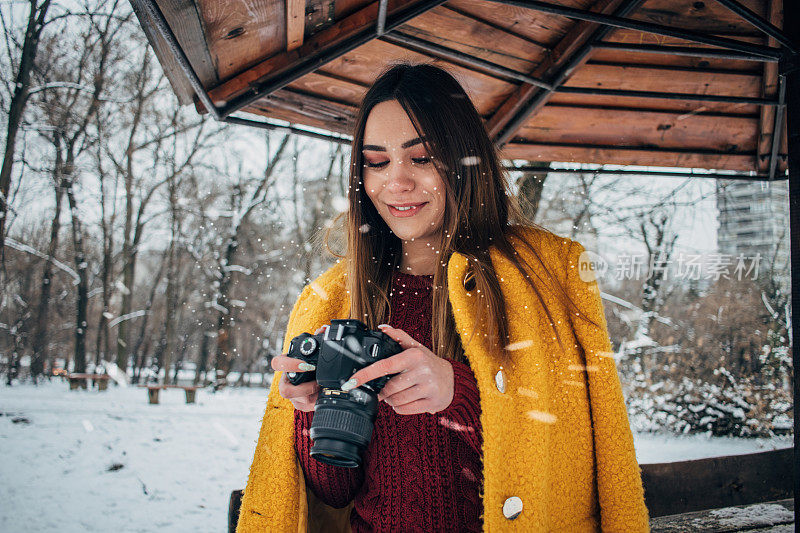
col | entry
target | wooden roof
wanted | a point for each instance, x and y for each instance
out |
(704, 98)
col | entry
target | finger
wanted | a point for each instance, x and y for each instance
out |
(414, 408)
(305, 404)
(304, 390)
(290, 364)
(398, 383)
(404, 339)
(391, 365)
(406, 396)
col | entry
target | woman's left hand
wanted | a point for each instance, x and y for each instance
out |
(423, 384)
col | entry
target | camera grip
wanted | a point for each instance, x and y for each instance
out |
(303, 347)
(377, 384)
(298, 378)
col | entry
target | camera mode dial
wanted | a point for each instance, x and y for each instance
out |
(308, 346)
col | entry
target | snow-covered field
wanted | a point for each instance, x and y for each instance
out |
(108, 461)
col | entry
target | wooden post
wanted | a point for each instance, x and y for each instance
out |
(102, 384)
(152, 394)
(190, 392)
(791, 68)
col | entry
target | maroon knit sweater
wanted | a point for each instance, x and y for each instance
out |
(420, 472)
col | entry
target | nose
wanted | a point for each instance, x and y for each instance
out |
(399, 178)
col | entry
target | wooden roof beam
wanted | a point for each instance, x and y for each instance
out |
(683, 51)
(766, 26)
(647, 27)
(569, 53)
(336, 40)
(497, 27)
(295, 23)
(454, 56)
(769, 116)
(641, 155)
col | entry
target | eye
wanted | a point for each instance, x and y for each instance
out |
(421, 160)
(375, 165)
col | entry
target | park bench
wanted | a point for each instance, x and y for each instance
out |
(80, 380)
(715, 495)
(153, 390)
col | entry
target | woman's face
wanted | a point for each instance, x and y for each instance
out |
(399, 175)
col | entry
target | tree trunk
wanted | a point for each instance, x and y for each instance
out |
(40, 336)
(222, 360)
(172, 283)
(19, 100)
(137, 352)
(531, 185)
(123, 332)
(103, 346)
(82, 300)
(179, 360)
(203, 357)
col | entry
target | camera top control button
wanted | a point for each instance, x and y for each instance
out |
(512, 507)
(308, 346)
(500, 381)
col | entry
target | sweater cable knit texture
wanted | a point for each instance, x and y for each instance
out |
(421, 472)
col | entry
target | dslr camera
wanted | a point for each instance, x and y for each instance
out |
(343, 421)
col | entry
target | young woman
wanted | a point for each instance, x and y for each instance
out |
(506, 412)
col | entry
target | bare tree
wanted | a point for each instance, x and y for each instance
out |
(242, 204)
(73, 89)
(309, 208)
(140, 346)
(659, 240)
(530, 186)
(37, 13)
(145, 161)
(107, 226)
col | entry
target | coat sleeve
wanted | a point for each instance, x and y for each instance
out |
(463, 415)
(275, 497)
(334, 485)
(619, 482)
(272, 499)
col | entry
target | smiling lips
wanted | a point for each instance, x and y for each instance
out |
(405, 210)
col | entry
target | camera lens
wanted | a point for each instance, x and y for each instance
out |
(342, 427)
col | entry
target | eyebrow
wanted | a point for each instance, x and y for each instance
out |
(407, 144)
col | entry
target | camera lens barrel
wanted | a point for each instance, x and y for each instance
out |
(341, 433)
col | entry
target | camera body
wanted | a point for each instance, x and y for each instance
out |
(343, 421)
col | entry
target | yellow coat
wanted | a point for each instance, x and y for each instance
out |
(558, 437)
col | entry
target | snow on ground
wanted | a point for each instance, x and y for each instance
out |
(108, 461)
(669, 449)
(61, 470)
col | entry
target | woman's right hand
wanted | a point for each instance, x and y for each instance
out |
(303, 396)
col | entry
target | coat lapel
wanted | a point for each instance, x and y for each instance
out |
(513, 394)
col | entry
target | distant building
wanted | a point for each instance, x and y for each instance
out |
(754, 219)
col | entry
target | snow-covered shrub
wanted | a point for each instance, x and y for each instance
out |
(728, 407)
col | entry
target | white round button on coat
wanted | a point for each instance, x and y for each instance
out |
(512, 507)
(500, 381)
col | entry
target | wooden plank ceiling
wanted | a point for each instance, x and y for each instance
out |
(249, 41)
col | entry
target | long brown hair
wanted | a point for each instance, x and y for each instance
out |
(480, 211)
